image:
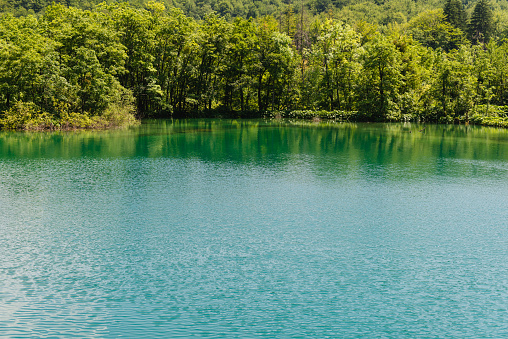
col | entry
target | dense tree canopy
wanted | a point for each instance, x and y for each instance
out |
(71, 63)
(455, 14)
(481, 26)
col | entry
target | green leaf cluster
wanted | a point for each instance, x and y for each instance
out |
(66, 62)
(71, 66)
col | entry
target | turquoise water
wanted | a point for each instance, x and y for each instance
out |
(220, 228)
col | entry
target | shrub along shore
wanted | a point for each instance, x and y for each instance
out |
(69, 68)
(27, 119)
(341, 116)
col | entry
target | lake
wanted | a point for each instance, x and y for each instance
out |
(253, 228)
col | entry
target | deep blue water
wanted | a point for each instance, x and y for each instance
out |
(253, 229)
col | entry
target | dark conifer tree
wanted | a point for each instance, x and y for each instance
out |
(456, 14)
(481, 26)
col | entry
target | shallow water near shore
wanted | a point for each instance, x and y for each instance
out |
(252, 228)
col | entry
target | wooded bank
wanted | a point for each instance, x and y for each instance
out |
(74, 68)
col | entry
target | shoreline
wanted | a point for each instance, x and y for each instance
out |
(77, 122)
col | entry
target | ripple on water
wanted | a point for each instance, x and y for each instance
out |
(281, 245)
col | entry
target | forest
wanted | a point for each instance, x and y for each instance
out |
(96, 65)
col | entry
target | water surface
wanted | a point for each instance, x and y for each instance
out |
(224, 228)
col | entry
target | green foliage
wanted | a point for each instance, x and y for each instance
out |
(432, 29)
(74, 68)
(455, 14)
(69, 58)
(315, 115)
(495, 121)
(25, 115)
(481, 26)
(381, 78)
(336, 67)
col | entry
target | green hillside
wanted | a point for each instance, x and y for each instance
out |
(71, 66)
